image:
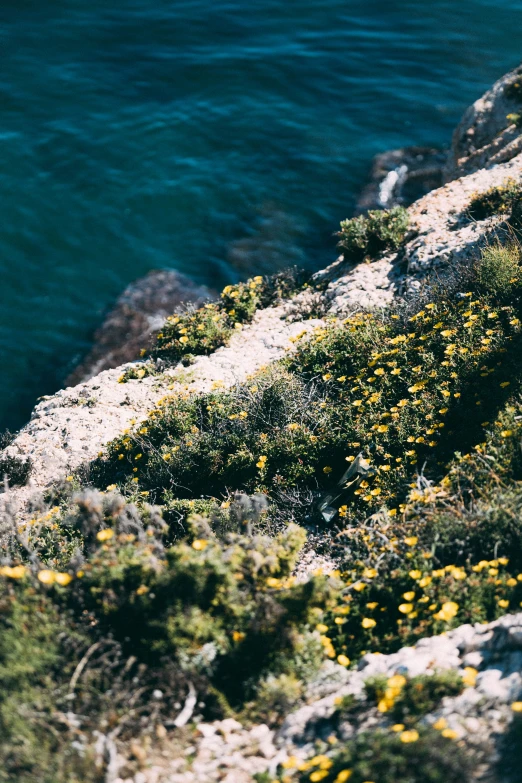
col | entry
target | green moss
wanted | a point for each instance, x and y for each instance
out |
(367, 236)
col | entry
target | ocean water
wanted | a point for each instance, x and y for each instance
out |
(218, 138)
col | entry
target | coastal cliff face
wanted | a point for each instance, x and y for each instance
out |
(319, 723)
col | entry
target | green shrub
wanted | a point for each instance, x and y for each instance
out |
(367, 236)
(6, 438)
(275, 697)
(264, 434)
(513, 91)
(476, 512)
(200, 332)
(499, 270)
(226, 612)
(515, 119)
(381, 610)
(137, 372)
(388, 758)
(495, 201)
(15, 471)
(409, 698)
(126, 617)
(31, 656)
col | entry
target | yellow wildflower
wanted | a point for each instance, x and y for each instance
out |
(409, 736)
(449, 733)
(343, 776)
(14, 572)
(469, 676)
(318, 775)
(46, 577)
(62, 578)
(397, 681)
(448, 611)
(105, 535)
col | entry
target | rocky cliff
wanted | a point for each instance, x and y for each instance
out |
(76, 437)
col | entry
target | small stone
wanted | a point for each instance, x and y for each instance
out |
(207, 729)
(496, 686)
(473, 659)
(260, 731)
(228, 725)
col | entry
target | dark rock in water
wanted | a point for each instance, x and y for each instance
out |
(400, 177)
(275, 243)
(138, 313)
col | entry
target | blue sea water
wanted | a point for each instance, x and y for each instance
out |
(218, 138)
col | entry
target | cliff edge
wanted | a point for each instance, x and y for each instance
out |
(284, 545)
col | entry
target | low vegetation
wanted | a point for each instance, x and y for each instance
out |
(410, 756)
(513, 91)
(515, 119)
(392, 438)
(14, 471)
(499, 200)
(368, 235)
(199, 332)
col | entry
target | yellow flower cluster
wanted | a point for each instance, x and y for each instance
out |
(13, 572)
(394, 688)
(48, 577)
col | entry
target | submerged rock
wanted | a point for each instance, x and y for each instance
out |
(138, 313)
(400, 177)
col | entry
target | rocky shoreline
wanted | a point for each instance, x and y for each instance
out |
(71, 428)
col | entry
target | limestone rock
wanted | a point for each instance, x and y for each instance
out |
(484, 136)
